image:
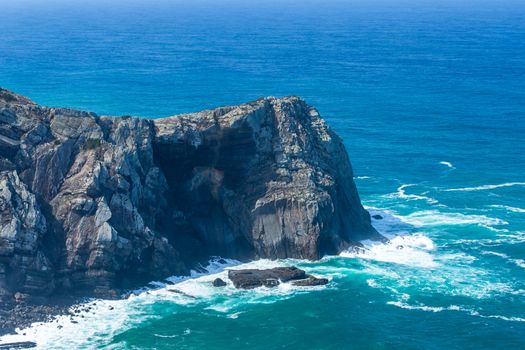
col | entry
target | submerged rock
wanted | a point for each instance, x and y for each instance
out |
(377, 217)
(93, 205)
(311, 281)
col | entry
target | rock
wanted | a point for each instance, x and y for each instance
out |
(18, 345)
(94, 205)
(310, 281)
(377, 217)
(218, 282)
(20, 297)
(253, 278)
(177, 291)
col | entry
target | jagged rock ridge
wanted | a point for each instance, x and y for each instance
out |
(94, 204)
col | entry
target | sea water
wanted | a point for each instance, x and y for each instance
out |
(429, 99)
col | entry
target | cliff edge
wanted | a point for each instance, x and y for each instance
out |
(92, 205)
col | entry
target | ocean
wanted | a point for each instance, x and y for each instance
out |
(429, 99)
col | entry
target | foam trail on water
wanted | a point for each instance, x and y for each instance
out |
(437, 218)
(401, 193)
(485, 187)
(448, 164)
(403, 305)
(517, 262)
(509, 208)
(471, 312)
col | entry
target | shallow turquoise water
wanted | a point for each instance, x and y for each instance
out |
(430, 101)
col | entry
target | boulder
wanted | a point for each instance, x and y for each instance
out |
(218, 283)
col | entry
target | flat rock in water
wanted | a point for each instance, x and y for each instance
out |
(253, 278)
(18, 345)
(310, 281)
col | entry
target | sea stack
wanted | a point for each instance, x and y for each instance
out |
(92, 205)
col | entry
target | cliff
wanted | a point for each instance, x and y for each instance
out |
(92, 205)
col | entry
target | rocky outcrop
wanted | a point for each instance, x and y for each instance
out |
(253, 278)
(91, 205)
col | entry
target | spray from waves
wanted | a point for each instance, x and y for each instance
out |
(401, 193)
(406, 246)
(485, 187)
(470, 311)
(85, 329)
(412, 250)
(508, 208)
(412, 260)
(448, 164)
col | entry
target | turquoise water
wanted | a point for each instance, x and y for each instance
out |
(430, 101)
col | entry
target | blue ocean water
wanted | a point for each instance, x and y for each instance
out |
(430, 101)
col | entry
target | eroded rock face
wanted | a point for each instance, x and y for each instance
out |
(92, 204)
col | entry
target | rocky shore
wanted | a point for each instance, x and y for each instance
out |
(22, 315)
(94, 205)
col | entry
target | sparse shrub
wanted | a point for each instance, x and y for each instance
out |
(92, 144)
(6, 96)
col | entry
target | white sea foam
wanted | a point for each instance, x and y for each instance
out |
(362, 177)
(412, 250)
(438, 218)
(235, 315)
(509, 208)
(412, 254)
(448, 164)
(486, 187)
(401, 193)
(165, 336)
(403, 305)
(504, 318)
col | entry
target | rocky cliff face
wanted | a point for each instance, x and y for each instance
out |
(91, 205)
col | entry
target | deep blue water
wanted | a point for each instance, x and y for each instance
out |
(430, 101)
